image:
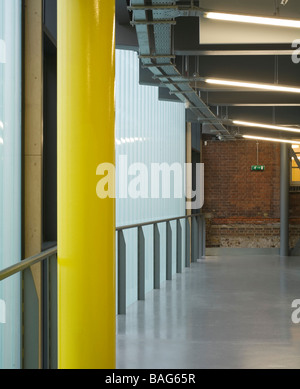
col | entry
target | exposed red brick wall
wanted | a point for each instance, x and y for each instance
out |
(243, 207)
(294, 205)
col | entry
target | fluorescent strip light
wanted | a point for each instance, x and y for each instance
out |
(253, 19)
(270, 139)
(267, 126)
(253, 85)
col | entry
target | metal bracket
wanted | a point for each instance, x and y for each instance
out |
(169, 10)
(180, 92)
(159, 65)
(156, 56)
(152, 22)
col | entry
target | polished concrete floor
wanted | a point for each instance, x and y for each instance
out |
(222, 313)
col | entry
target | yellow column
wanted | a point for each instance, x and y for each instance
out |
(86, 224)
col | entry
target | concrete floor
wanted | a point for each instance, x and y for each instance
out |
(223, 313)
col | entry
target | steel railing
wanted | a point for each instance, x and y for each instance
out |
(23, 265)
(194, 244)
(38, 310)
(46, 345)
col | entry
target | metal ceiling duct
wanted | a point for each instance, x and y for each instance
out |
(154, 23)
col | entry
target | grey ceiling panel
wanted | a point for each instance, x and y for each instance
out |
(167, 39)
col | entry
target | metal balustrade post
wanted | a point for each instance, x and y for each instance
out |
(192, 239)
(49, 313)
(178, 247)
(203, 237)
(156, 254)
(195, 238)
(168, 251)
(200, 236)
(141, 264)
(45, 314)
(53, 312)
(187, 242)
(121, 273)
(30, 314)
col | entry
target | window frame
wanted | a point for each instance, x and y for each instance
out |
(292, 182)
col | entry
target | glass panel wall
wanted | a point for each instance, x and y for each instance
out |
(10, 179)
(149, 134)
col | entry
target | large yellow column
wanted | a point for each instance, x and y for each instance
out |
(86, 224)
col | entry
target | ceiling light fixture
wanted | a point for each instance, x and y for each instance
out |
(271, 139)
(267, 126)
(292, 23)
(252, 85)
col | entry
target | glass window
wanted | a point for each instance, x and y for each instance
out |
(10, 179)
(295, 176)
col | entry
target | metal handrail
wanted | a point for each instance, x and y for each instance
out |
(49, 281)
(141, 256)
(18, 267)
(27, 263)
(121, 228)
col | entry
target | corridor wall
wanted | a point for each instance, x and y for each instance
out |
(10, 179)
(148, 131)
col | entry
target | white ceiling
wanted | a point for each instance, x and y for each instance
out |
(254, 7)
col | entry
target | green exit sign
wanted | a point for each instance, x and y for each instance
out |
(258, 168)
